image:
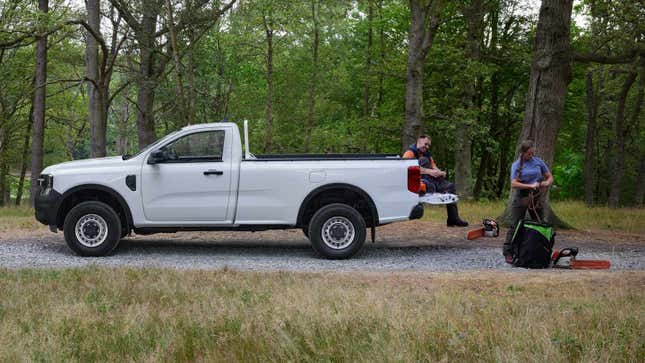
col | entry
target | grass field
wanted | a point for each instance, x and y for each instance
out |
(577, 214)
(624, 220)
(166, 315)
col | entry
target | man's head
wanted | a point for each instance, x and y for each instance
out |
(423, 143)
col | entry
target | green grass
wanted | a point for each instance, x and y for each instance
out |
(96, 314)
(577, 214)
(20, 218)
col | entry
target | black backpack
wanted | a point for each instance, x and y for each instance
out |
(532, 244)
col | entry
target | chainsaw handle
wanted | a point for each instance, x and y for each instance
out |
(569, 251)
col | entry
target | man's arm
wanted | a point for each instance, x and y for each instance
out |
(434, 171)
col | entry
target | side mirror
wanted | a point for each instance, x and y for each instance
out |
(158, 156)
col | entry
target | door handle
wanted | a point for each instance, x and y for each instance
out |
(213, 172)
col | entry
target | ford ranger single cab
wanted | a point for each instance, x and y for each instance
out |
(199, 179)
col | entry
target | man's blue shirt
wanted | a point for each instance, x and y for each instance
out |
(533, 170)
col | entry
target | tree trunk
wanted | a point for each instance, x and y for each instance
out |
(640, 183)
(314, 77)
(550, 76)
(619, 157)
(25, 158)
(96, 98)
(474, 15)
(424, 21)
(40, 94)
(147, 81)
(123, 122)
(592, 112)
(179, 69)
(368, 62)
(268, 141)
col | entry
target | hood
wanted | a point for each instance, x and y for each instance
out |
(85, 164)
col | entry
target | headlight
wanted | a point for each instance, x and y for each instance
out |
(46, 183)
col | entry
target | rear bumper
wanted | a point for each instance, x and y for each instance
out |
(46, 207)
(417, 212)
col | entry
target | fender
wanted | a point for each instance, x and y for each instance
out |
(314, 193)
(122, 203)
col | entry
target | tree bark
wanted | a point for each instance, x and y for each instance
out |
(40, 94)
(640, 181)
(268, 140)
(184, 117)
(593, 101)
(147, 82)
(619, 157)
(25, 158)
(96, 99)
(424, 22)
(368, 62)
(550, 76)
(123, 124)
(314, 77)
(474, 14)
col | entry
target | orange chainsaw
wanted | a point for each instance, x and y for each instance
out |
(566, 258)
(490, 229)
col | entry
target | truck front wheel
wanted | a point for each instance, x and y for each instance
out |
(92, 229)
(337, 231)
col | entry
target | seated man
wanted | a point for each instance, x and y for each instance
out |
(433, 179)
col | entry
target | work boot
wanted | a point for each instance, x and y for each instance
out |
(453, 216)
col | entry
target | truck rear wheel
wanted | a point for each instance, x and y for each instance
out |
(337, 231)
(92, 229)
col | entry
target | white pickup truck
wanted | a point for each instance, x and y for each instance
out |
(198, 178)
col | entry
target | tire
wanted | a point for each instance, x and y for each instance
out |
(337, 231)
(99, 229)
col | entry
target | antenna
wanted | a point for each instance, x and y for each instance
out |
(247, 153)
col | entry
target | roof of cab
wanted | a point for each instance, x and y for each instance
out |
(208, 125)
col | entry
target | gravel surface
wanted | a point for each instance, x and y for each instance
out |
(400, 247)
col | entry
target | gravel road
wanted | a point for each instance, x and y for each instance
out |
(399, 247)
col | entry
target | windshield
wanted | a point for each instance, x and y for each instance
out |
(154, 144)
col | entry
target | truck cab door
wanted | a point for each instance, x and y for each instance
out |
(189, 179)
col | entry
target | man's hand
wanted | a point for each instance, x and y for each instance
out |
(436, 173)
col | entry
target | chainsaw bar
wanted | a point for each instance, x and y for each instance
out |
(476, 233)
(590, 264)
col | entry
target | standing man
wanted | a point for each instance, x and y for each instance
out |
(433, 179)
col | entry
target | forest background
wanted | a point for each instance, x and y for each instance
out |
(323, 76)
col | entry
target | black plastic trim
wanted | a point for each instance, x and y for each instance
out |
(112, 192)
(131, 182)
(314, 193)
(242, 228)
(45, 206)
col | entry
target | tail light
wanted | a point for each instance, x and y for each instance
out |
(414, 178)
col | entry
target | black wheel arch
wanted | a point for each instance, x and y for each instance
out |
(305, 212)
(99, 192)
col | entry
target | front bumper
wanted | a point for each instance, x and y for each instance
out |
(46, 205)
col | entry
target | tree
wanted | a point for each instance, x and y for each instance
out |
(424, 22)
(40, 94)
(549, 79)
(152, 57)
(314, 74)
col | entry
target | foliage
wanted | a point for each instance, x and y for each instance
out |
(225, 77)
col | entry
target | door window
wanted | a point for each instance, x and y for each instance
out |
(197, 147)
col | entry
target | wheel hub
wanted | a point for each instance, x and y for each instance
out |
(91, 230)
(338, 232)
